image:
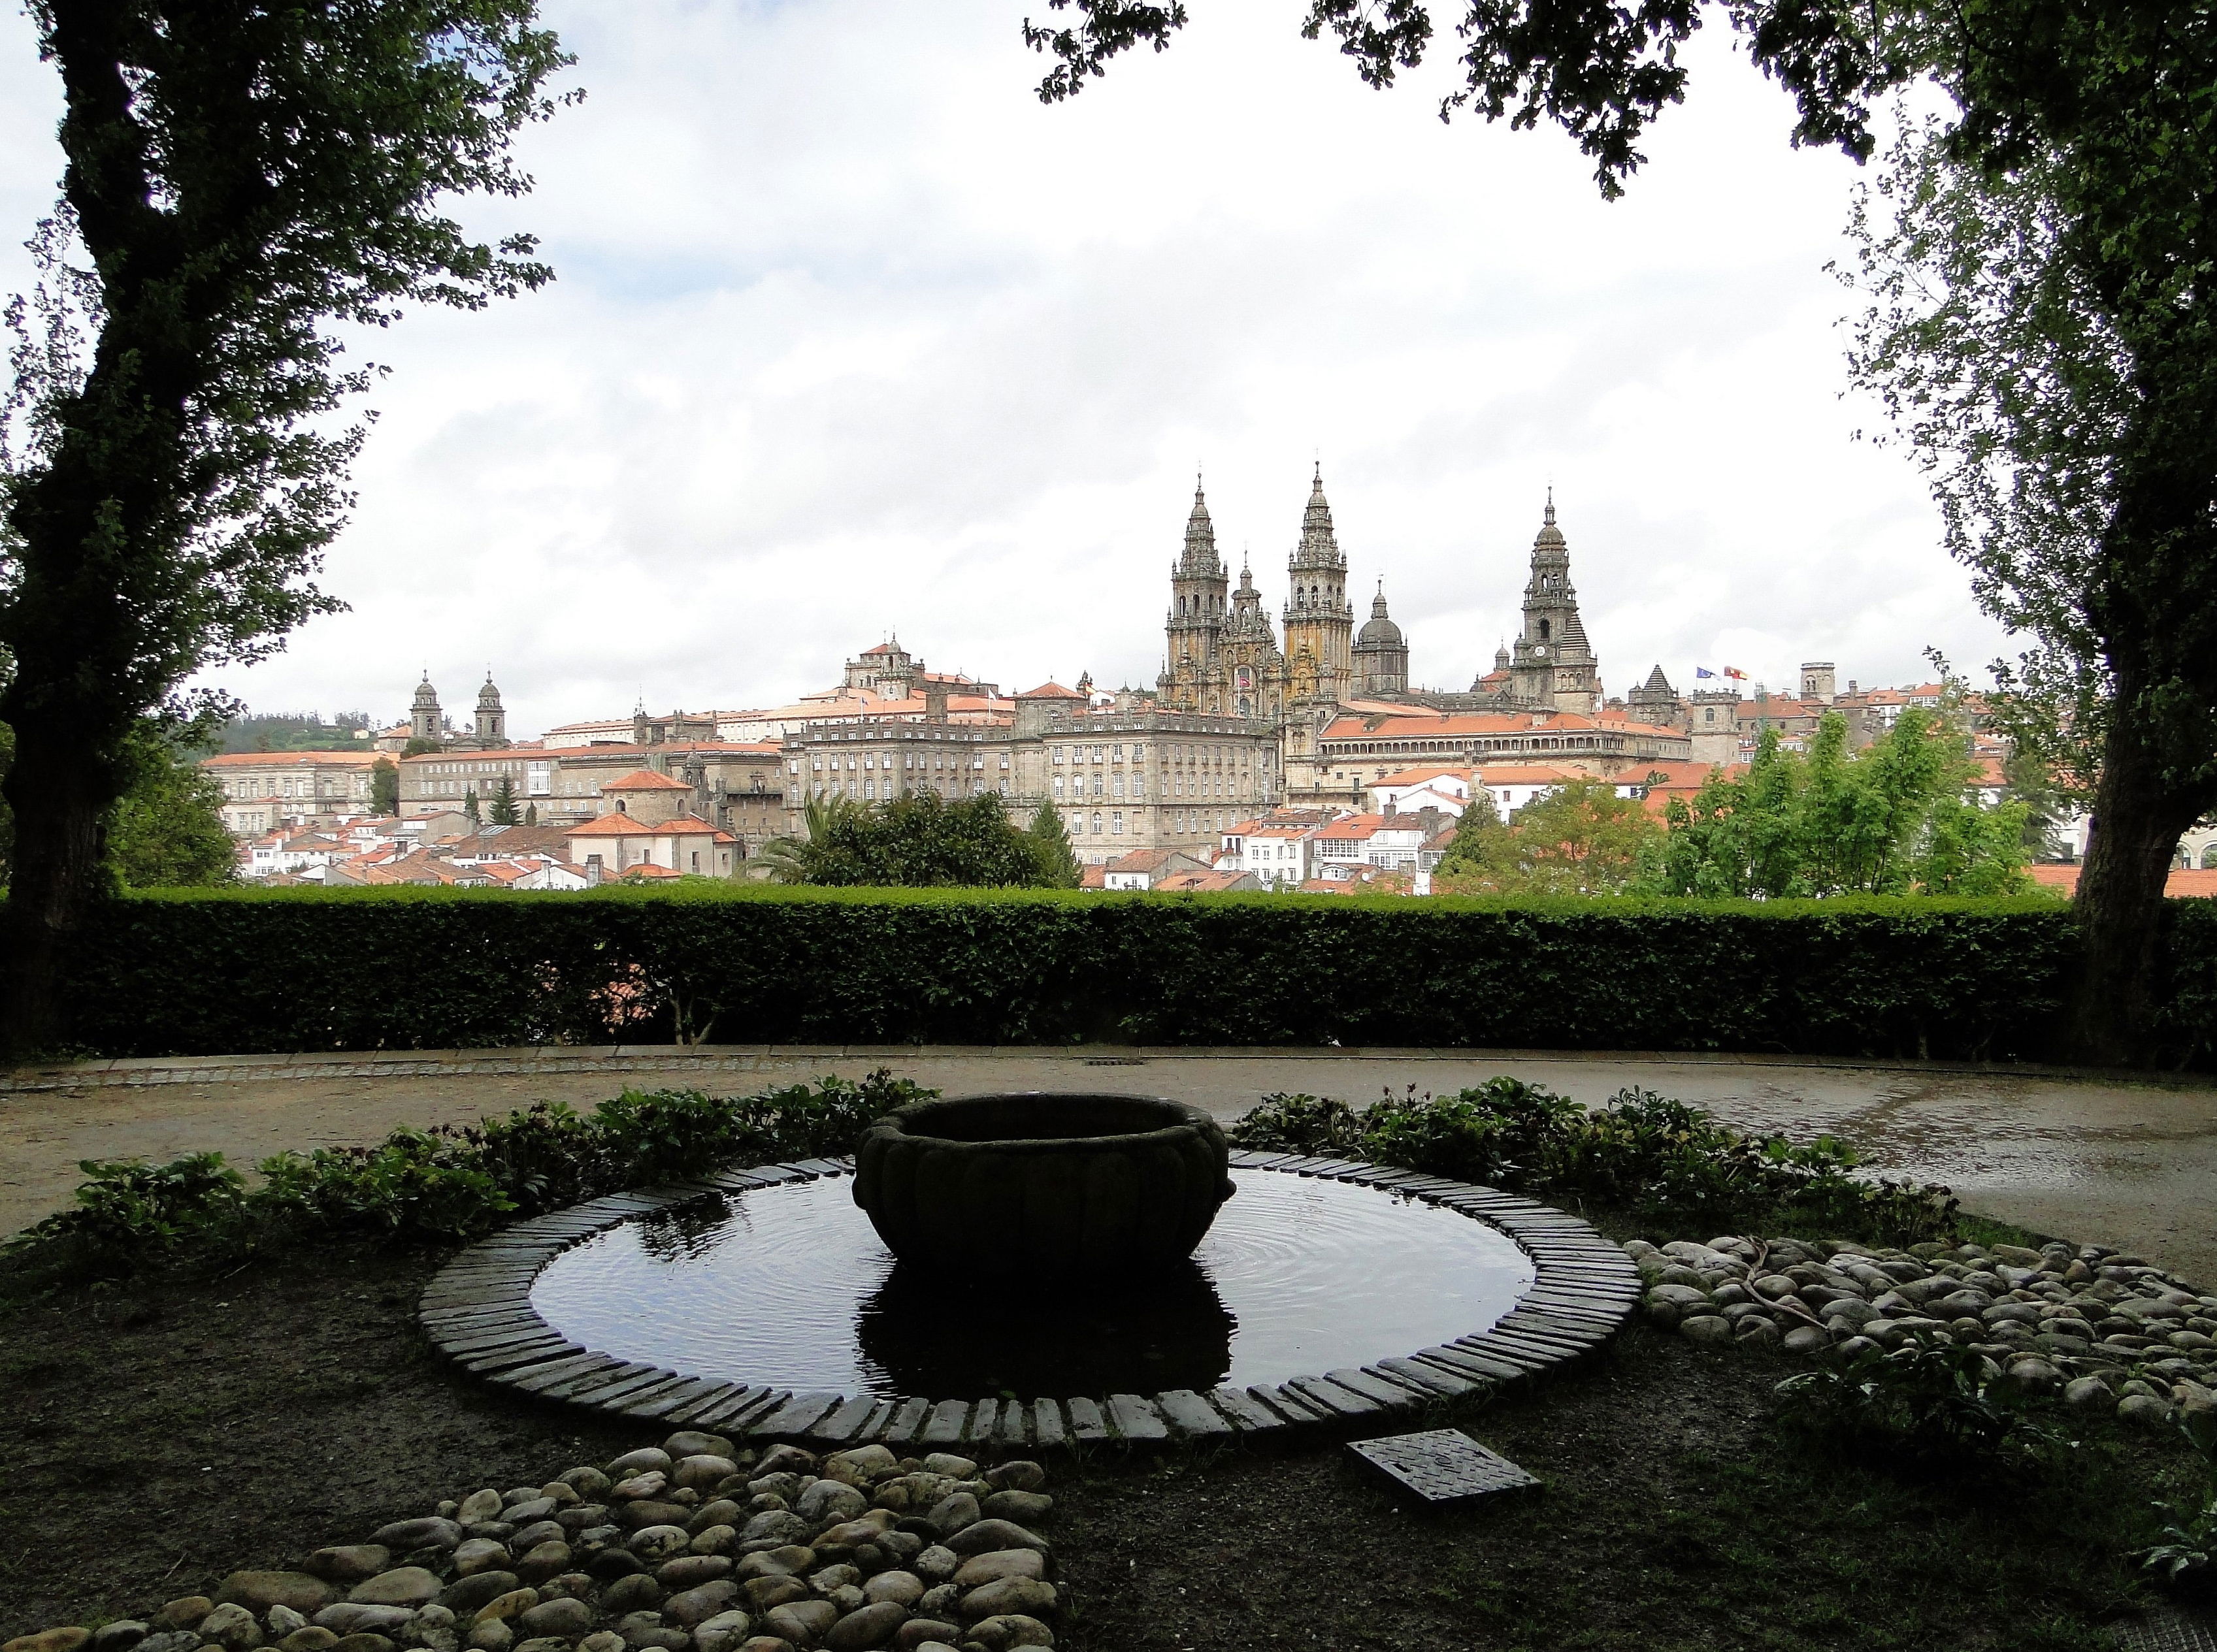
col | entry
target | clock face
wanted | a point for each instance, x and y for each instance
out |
(1541, 650)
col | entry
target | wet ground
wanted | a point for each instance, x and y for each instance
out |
(2104, 1158)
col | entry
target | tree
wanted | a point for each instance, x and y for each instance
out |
(167, 831)
(1058, 868)
(2043, 328)
(1579, 838)
(531, 814)
(503, 803)
(385, 787)
(237, 184)
(1892, 819)
(920, 840)
(470, 807)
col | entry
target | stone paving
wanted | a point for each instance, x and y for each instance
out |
(2121, 1161)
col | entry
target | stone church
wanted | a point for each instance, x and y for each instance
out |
(1222, 658)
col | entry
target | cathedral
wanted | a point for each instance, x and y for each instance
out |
(1223, 660)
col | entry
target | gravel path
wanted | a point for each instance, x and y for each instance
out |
(2126, 1163)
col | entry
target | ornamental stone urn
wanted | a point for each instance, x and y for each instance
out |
(1043, 1185)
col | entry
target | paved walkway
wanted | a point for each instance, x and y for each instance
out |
(2087, 1157)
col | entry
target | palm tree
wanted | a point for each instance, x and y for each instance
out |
(785, 860)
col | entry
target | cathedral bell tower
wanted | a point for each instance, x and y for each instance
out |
(1319, 622)
(1194, 630)
(1553, 665)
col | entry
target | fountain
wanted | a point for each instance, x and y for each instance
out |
(1081, 1256)
(1044, 1187)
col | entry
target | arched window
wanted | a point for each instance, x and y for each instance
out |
(2209, 858)
(1545, 627)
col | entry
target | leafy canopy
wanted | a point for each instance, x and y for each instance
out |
(918, 841)
(1891, 819)
(1580, 838)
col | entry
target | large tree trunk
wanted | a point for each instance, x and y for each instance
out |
(2138, 820)
(59, 794)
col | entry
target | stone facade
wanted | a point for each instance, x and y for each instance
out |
(427, 721)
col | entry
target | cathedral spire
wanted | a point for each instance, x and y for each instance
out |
(1199, 560)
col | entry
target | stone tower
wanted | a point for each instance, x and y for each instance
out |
(1195, 623)
(1553, 664)
(1818, 682)
(1320, 624)
(1255, 669)
(492, 721)
(1656, 703)
(1380, 656)
(425, 720)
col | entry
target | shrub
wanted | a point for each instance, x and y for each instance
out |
(278, 970)
(1931, 1402)
(1648, 1156)
(449, 1183)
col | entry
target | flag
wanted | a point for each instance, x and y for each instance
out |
(1735, 673)
(1703, 671)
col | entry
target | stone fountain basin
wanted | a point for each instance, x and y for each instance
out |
(1043, 1185)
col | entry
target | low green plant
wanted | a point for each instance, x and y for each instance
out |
(1929, 1399)
(448, 1183)
(1654, 1159)
(2186, 1559)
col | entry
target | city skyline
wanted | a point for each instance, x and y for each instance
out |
(851, 335)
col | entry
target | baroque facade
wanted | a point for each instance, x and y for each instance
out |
(1221, 658)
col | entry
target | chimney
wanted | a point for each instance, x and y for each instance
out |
(934, 702)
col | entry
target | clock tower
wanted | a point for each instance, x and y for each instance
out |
(1553, 665)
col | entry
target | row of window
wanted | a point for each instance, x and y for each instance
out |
(1184, 822)
(910, 761)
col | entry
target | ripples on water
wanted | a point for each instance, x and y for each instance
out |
(790, 1285)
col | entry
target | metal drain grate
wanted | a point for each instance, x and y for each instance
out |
(2167, 1629)
(1116, 1060)
(1442, 1465)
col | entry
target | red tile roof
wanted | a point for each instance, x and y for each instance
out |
(645, 780)
(2183, 883)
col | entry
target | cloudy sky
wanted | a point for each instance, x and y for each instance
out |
(852, 335)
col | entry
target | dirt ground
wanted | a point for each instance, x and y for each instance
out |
(156, 1435)
(2127, 1163)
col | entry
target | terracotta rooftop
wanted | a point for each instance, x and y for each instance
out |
(645, 780)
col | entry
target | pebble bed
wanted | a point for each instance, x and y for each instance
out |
(2102, 1329)
(692, 1546)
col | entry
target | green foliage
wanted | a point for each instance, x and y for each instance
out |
(2186, 1559)
(448, 1184)
(385, 787)
(470, 805)
(1058, 868)
(297, 731)
(1936, 1403)
(166, 831)
(310, 969)
(1889, 820)
(1655, 1159)
(1580, 838)
(503, 804)
(917, 841)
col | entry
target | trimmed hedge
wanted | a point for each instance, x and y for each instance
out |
(205, 972)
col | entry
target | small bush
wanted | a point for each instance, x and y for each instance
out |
(450, 1183)
(1930, 1402)
(2185, 1562)
(1654, 1159)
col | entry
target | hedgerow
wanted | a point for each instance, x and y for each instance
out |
(447, 1183)
(182, 973)
(1644, 1156)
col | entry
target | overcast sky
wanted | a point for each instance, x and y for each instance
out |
(852, 335)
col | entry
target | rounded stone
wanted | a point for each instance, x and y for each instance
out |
(920, 1633)
(1807, 1339)
(689, 1571)
(362, 1640)
(480, 1505)
(902, 1588)
(698, 1605)
(2145, 1410)
(543, 1561)
(479, 1555)
(186, 1611)
(1018, 1474)
(404, 1585)
(2086, 1393)
(988, 1535)
(647, 1458)
(830, 1500)
(259, 1591)
(1029, 1595)
(992, 1567)
(308, 1638)
(493, 1636)
(866, 1627)
(430, 1532)
(802, 1622)
(703, 1472)
(566, 1620)
(1710, 1330)
(502, 1607)
(1043, 1185)
(1010, 1629)
(721, 1632)
(66, 1639)
(120, 1635)
(231, 1627)
(636, 1592)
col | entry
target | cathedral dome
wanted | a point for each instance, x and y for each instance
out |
(1379, 631)
(489, 696)
(426, 696)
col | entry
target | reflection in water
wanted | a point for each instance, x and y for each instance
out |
(919, 1336)
(790, 1285)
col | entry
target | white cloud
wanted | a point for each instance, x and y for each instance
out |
(853, 334)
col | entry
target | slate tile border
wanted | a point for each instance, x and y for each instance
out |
(478, 1311)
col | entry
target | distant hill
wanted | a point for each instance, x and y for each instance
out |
(298, 731)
